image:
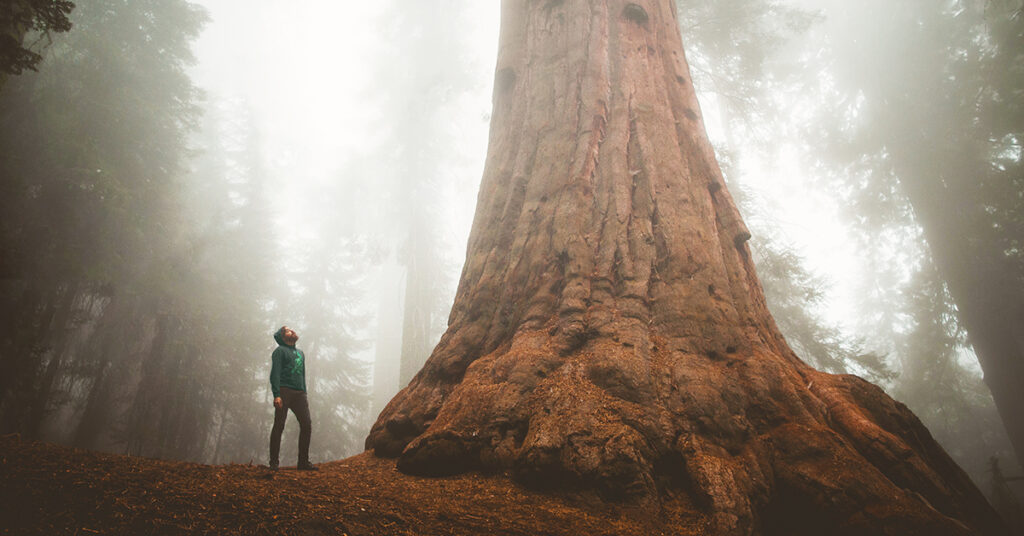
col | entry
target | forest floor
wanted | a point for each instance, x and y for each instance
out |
(51, 489)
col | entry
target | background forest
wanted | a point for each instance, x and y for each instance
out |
(181, 178)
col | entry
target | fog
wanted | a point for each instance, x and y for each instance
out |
(181, 179)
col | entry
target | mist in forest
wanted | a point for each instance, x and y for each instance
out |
(180, 179)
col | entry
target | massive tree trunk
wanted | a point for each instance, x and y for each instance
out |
(609, 331)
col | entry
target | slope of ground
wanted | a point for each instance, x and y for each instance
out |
(49, 489)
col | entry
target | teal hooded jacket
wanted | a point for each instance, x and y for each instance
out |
(288, 367)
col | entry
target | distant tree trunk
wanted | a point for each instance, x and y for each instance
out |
(388, 347)
(609, 331)
(96, 412)
(30, 337)
(102, 359)
(60, 330)
(984, 284)
(20, 317)
(426, 32)
(418, 306)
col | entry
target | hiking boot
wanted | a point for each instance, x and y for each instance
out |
(306, 466)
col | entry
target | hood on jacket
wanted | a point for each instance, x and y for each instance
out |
(279, 336)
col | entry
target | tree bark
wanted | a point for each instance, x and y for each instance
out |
(609, 331)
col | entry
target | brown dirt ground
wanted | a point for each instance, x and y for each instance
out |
(50, 489)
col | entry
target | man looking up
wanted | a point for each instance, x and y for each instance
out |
(288, 382)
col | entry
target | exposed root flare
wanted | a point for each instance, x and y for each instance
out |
(743, 444)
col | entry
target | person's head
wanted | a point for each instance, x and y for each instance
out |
(286, 335)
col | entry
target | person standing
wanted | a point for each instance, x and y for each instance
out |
(288, 383)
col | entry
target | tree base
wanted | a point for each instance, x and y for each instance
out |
(760, 441)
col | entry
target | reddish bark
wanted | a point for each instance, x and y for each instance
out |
(609, 330)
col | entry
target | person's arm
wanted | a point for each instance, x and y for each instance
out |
(275, 372)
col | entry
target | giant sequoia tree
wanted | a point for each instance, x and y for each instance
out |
(609, 331)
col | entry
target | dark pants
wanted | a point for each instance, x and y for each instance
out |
(297, 402)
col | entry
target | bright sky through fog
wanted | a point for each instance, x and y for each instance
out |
(301, 67)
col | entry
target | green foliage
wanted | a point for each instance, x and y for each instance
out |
(939, 376)
(795, 298)
(90, 148)
(730, 47)
(21, 17)
(93, 143)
